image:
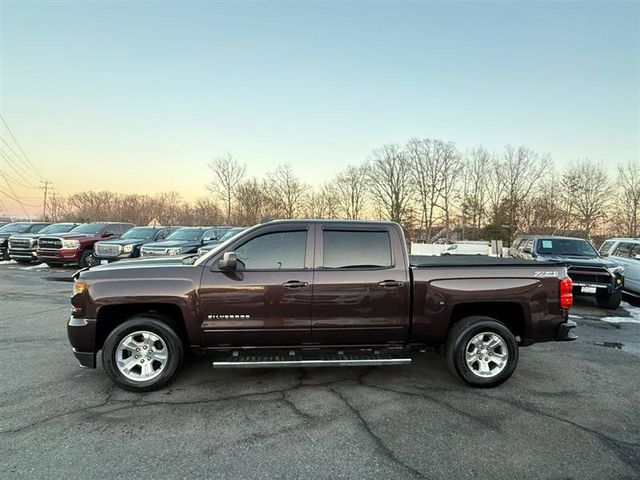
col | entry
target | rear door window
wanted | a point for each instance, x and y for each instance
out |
(356, 249)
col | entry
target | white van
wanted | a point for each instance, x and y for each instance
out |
(467, 249)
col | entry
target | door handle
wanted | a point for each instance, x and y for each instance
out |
(390, 283)
(293, 284)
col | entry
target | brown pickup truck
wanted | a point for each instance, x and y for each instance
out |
(315, 293)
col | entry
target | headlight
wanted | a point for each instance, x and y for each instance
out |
(2, 241)
(127, 249)
(71, 244)
(174, 251)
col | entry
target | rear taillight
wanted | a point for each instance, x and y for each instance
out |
(566, 293)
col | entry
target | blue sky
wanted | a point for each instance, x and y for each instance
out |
(119, 91)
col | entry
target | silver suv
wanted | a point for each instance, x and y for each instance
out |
(625, 252)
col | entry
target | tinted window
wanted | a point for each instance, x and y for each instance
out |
(604, 249)
(623, 250)
(36, 228)
(57, 228)
(273, 251)
(635, 250)
(15, 228)
(189, 234)
(526, 243)
(566, 246)
(142, 233)
(343, 249)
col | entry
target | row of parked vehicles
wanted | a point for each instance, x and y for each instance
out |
(90, 244)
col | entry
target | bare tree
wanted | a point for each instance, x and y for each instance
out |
(321, 203)
(476, 172)
(391, 182)
(286, 190)
(228, 174)
(518, 172)
(587, 188)
(351, 188)
(628, 199)
(252, 202)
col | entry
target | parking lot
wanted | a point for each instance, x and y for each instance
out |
(570, 411)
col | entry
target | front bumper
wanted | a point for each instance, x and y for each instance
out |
(564, 334)
(82, 337)
(22, 254)
(59, 256)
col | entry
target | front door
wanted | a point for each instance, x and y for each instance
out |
(361, 286)
(266, 301)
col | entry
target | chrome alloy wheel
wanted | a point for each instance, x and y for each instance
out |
(486, 354)
(141, 356)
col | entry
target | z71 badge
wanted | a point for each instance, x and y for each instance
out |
(546, 274)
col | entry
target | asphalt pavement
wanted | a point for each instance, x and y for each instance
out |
(571, 410)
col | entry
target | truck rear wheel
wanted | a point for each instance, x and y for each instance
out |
(481, 351)
(609, 301)
(142, 354)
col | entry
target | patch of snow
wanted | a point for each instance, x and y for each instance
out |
(575, 317)
(39, 266)
(7, 262)
(634, 315)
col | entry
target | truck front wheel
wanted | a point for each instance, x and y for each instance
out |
(142, 354)
(481, 351)
(88, 259)
(609, 301)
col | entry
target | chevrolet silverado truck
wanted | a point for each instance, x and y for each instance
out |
(315, 293)
(22, 247)
(591, 273)
(76, 246)
(128, 245)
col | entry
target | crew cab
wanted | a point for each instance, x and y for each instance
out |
(184, 240)
(315, 293)
(129, 244)
(76, 246)
(591, 273)
(15, 228)
(22, 247)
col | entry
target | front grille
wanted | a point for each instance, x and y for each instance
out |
(106, 250)
(20, 243)
(152, 252)
(590, 275)
(48, 242)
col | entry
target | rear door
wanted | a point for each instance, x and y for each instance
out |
(267, 300)
(361, 286)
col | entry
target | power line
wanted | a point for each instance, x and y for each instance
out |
(9, 162)
(22, 164)
(9, 178)
(20, 148)
(20, 202)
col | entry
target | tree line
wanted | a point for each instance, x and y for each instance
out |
(434, 190)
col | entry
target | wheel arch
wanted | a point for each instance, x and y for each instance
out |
(511, 314)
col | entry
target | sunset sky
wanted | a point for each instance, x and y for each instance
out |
(140, 98)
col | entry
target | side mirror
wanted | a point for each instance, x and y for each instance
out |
(107, 234)
(527, 251)
(208, 239)
(228, 262)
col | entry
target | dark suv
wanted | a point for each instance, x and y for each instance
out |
(76, 246)
(128, 246)
(591, 273)
(22, 247)
(184, 240)
(14, 229)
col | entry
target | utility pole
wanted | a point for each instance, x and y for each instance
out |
(45, 188)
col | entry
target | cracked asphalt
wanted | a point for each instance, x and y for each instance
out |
(571, 410)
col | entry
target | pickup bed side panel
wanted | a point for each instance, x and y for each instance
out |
(438, 291)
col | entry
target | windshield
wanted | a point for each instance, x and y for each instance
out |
(566, 246)
(15, 228)
(186, 234)
(140, 233)
(57, 228)
(88, 228)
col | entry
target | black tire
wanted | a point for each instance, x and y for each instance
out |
(22, 261)
(610, 301)
(5, 256)
(460, 336)
(88, 259)
(53, 265)
(158, 325)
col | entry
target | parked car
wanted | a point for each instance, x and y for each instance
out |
(22, 247)
(315, 293)
(183, 241)
(15, 228)
(591, 273)
(232, 232)
(76, 246)
(467, 249)
(129, 244)
(625, 252)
